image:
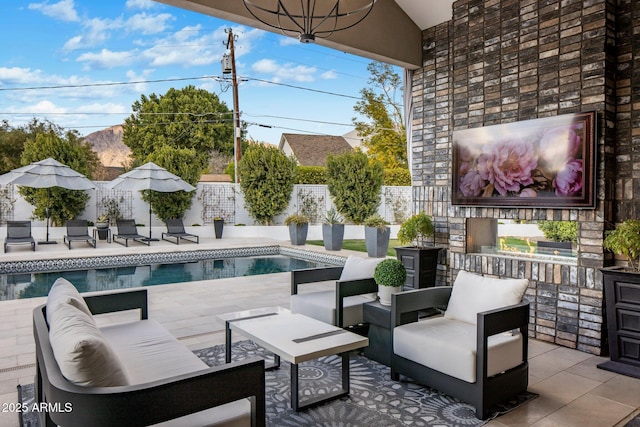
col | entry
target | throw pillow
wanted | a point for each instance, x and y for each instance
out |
(84, 356)
(356, 268)
(473, 294)
(63, 292)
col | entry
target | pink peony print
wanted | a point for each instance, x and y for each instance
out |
(569, 180)
(471, 185)
(507, 165)
(528, 192)
(557, 145)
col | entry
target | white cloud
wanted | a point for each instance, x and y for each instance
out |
(64, 10)
(139, 4)
(329, 75)
(21, 76)
(97, 31)
(106, 59)
(286, 72)
(132, 76)
(148, 24)
(186, 48)
(104, 108)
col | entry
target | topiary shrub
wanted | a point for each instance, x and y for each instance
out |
(390, 272)
(266, 179)
(311, 175)
(559, 231)
(397, 176)
(354, 184)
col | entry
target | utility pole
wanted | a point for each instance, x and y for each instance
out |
(236, 108)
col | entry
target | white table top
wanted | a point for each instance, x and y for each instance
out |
(277, 332)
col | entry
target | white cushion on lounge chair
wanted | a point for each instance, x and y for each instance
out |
(473, 293)
(322, 306)
(449, 346)
(234, 414)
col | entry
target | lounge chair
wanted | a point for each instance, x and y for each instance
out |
(19, 233)
(78, 231)
(175, 229)
(127, 230)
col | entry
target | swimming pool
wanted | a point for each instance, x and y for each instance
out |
(30, 285)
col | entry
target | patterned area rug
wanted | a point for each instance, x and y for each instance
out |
(374, 400)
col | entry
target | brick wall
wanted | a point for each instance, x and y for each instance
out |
(500, 61)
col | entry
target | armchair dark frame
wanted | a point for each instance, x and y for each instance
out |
(140, 404)
(175, 229)
(486, 391)
(343, 289)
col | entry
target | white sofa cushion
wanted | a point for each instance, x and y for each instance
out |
(449, 346)
(356, 268)
(63, 292)
(322, 306)
(81, 351)
(473, 294)
(234, 414)
(149, 352)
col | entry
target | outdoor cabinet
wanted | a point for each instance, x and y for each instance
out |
(421, 265)
(622, 300)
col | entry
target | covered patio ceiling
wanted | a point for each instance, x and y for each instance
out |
(392, 33)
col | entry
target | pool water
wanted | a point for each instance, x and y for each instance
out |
(30, 285)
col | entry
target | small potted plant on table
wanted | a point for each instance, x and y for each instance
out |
(102, 225)
(390, 275)
(298, 228)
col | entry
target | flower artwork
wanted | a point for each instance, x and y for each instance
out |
(542, 163)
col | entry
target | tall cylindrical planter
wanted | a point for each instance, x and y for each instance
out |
(377, 241)
(332, 235)
(218, 227)
(298, 233)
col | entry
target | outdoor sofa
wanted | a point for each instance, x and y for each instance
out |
(133, 373)
(477, 351)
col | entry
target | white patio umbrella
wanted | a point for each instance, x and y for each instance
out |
(150, 177)
(47, 173)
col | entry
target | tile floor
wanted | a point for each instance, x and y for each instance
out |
(573, 392)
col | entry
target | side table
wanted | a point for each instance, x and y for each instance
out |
(379, 318)
(96, 232)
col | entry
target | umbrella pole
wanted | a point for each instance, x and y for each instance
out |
(48, 214)
(149, 239)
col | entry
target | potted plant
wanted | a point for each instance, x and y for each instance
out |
(332, 230)
(376, 235)
(419, 258)
(622, 299)
(560, 237)
(102, 225)
(218, 226)
(298, 228)
(390, 275)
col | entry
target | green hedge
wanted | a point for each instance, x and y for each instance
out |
(397, 176)
(311, 175)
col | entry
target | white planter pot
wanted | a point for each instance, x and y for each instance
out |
(385, 292)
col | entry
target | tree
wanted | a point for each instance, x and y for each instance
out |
(67, 148)
(179, 162)
(384, 135)
(354, 184)
(182, 118)
(12, 141)
(266, 179)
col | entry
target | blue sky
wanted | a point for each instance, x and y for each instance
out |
(83, 63)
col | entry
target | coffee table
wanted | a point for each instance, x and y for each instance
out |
(295, 338)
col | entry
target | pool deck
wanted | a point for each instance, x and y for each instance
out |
(573, 392)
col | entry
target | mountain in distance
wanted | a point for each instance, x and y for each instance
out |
(108, 145)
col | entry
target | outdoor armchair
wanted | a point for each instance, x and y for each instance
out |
(127, 230)
(78, 231)
(19, 233)
(175, 229)
(477, 351)
(341, 306)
